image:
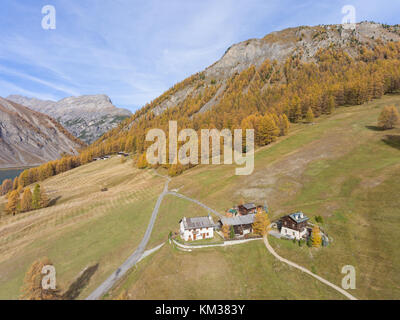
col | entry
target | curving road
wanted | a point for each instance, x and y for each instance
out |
(272, 251)
(136, 256)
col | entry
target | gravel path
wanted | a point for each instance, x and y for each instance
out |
(135, 257)
(290, 263)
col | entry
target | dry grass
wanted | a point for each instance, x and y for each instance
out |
(340, 168)
(81, 214)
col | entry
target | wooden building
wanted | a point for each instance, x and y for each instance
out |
(294, 225)
(242, 225)
(248, 208)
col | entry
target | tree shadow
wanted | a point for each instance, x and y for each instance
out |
(392, 141)
(374, 128)
(53, 202)
(77, 286)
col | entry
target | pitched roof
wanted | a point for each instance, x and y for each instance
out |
(249, 206)
(298, 217)
(239, 220)
(198, 222)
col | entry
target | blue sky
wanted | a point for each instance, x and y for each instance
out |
(135, 50)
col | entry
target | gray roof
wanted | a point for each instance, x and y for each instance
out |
(249, 206)
(198, 222)
(239, 220)
(298, 217)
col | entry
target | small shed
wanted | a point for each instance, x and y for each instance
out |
(247, 208)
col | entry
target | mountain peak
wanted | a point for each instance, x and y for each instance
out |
(86, 117)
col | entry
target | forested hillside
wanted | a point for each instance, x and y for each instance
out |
(265, 97)
(314, 71)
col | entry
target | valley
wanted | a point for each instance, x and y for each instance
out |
(341, 168)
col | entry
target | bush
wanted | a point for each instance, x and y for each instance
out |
(319, 219)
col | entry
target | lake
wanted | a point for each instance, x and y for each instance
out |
(9, 173)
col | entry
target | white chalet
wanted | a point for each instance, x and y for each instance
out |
(197, 228)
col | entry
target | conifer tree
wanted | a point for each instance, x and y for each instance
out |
(26, 201)
(388, 118)
(331, 104)
(261, 223)
(142, 162)
(310, 116)
(225, 231)
(267, 130)
(316, 237)
(6, 186)
(36, 197)
(13, 202)
(32, 288)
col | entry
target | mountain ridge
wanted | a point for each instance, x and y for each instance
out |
(87, 117)
(302, 41)
(28, 137)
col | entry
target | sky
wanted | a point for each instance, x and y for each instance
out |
(133, 50)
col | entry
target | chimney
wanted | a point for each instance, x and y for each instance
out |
(301, 215)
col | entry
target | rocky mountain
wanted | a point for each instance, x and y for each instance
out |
(303, 42)
(86, 117)
(29, 138)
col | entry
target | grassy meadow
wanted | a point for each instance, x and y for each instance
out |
(342, 168)
(86, 233)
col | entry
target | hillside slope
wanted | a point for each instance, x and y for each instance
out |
(269, 81)
(86, 117)
(342, 168)
(303, 42)
(320, 169)
(30, 138)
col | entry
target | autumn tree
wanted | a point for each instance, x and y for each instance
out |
(142, 162)
(15, 183)
(267, 130)
(33, 288)
(331, 104)
(225, 231)
(36, 197)
(388, 118)
(284, 125)
(175, 170)
(231, 232)
(6, 186)
(261, 223)
(13, 202)
(310, 116)
(26, 201)
(316, 237)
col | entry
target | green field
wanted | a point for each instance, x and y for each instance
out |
(342, 168)
(241, 272)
